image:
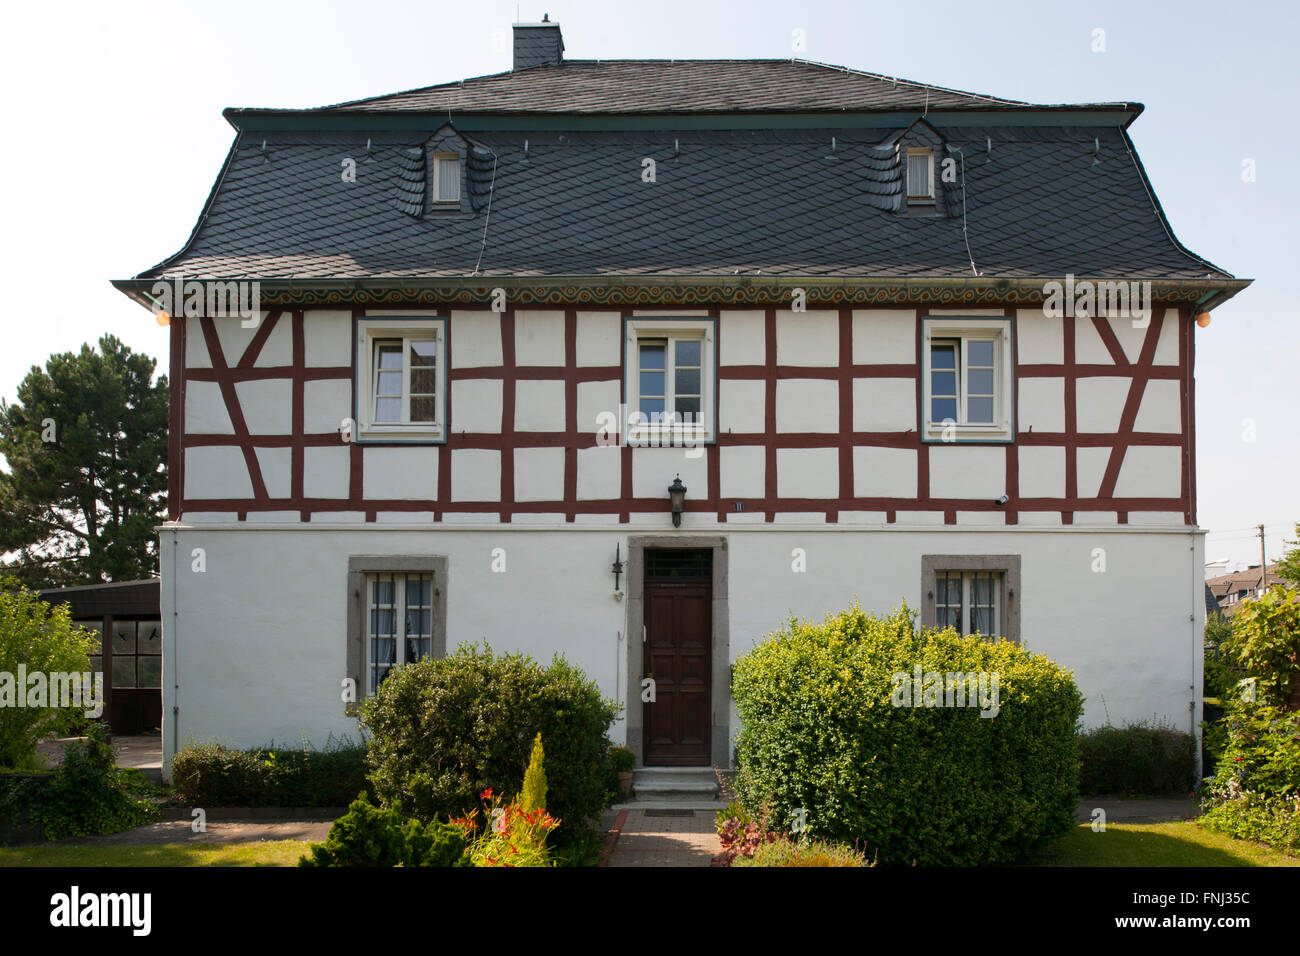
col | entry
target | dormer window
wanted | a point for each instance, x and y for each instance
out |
(446, 179)
(920, 175)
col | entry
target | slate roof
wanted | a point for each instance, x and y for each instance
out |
(683, 86)
(1028, 200)
(730, 201)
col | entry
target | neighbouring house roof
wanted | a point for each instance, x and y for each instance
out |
(1041, 191)
(119, 598)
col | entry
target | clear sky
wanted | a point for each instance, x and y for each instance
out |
(113, 135)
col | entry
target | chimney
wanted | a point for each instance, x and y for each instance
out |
(538, 44)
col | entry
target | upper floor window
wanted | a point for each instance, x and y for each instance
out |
(967, 379)
(401, 379)
(446, 179)
(670, 380)
(920, 175)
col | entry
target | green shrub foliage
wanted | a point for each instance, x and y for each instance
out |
(88, 793)
(368, 836)
(43, 640)
(1140, 758)
(210, 775)
(822, 740)
(444, 730)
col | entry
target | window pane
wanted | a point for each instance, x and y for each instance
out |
(943, 383)
(417, 649)
(979, 410)
(653, 409)
(423, 353)
(688, 352)
(383, 650)
(150, 637)
(688, 381)
(980, 381)
(942, 409)
(688, 406)
(123, 638)
(979, 353)
(652, 354)
(947, 600)
(424, 408)
(448, 179)
(918, 174)
(390, 383)
(390, 354)
(124, 671)
(943, 356)
(151, 672)
(652, 384)
(418, 590)
(388, 410)
(424, 381)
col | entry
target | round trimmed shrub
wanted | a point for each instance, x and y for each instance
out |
(831, 736)
(443, 731)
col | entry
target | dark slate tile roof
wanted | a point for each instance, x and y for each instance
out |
(1040, 203)
(680, 86)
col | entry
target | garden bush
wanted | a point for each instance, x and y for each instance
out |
(211, 775)
(444, 730)
(86, 794)
(1255, 791)
(369, 836)
(785, 852)
(1139, 758)
(43, 640)
(822, 739)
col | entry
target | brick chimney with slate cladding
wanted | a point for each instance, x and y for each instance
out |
(538, 44)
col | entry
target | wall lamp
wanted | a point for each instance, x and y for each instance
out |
(677, 498)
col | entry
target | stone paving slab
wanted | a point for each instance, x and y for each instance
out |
(1140, 809)
(648, 840)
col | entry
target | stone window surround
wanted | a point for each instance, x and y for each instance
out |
(361, 565)
(1009, 596)
(720, 651)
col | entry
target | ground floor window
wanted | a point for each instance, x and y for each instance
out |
(399, 622)
(972, 593)
(967, 601)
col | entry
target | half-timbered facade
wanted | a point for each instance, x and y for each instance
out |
(497, 321)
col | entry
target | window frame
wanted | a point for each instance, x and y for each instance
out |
(361, 569)
(1007, 594)
(439, 157)
(371, 330)
(672, 329)
(964, 330)
(926, 198)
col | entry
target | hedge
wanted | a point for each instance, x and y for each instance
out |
(1140, 758)
(823, 741)
(444, 730)
(212, 775)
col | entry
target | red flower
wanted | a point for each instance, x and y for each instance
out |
(486, 794)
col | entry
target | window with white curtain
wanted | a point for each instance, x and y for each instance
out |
(920, 174)
(399, 622)
(967, 601)
(446, 178)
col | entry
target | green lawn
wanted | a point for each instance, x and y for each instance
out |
(1157, 844)
(262, 853)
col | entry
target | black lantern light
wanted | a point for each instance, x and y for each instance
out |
(677, 498)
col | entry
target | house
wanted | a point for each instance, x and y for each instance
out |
(1231, 589)
(630, 360)
(131, 660)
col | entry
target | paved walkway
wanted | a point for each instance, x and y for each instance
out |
(1140, 809)
(139, 753)
(654, 838)
(179, 831)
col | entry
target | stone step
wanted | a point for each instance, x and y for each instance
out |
(661, 782)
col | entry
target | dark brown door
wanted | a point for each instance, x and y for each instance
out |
(678, 638)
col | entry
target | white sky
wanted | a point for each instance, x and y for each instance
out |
(113, 135)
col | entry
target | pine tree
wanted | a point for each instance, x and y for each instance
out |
(533, 796)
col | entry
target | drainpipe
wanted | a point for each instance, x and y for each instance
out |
(174, 646)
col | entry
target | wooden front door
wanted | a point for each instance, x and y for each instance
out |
(678, 643)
